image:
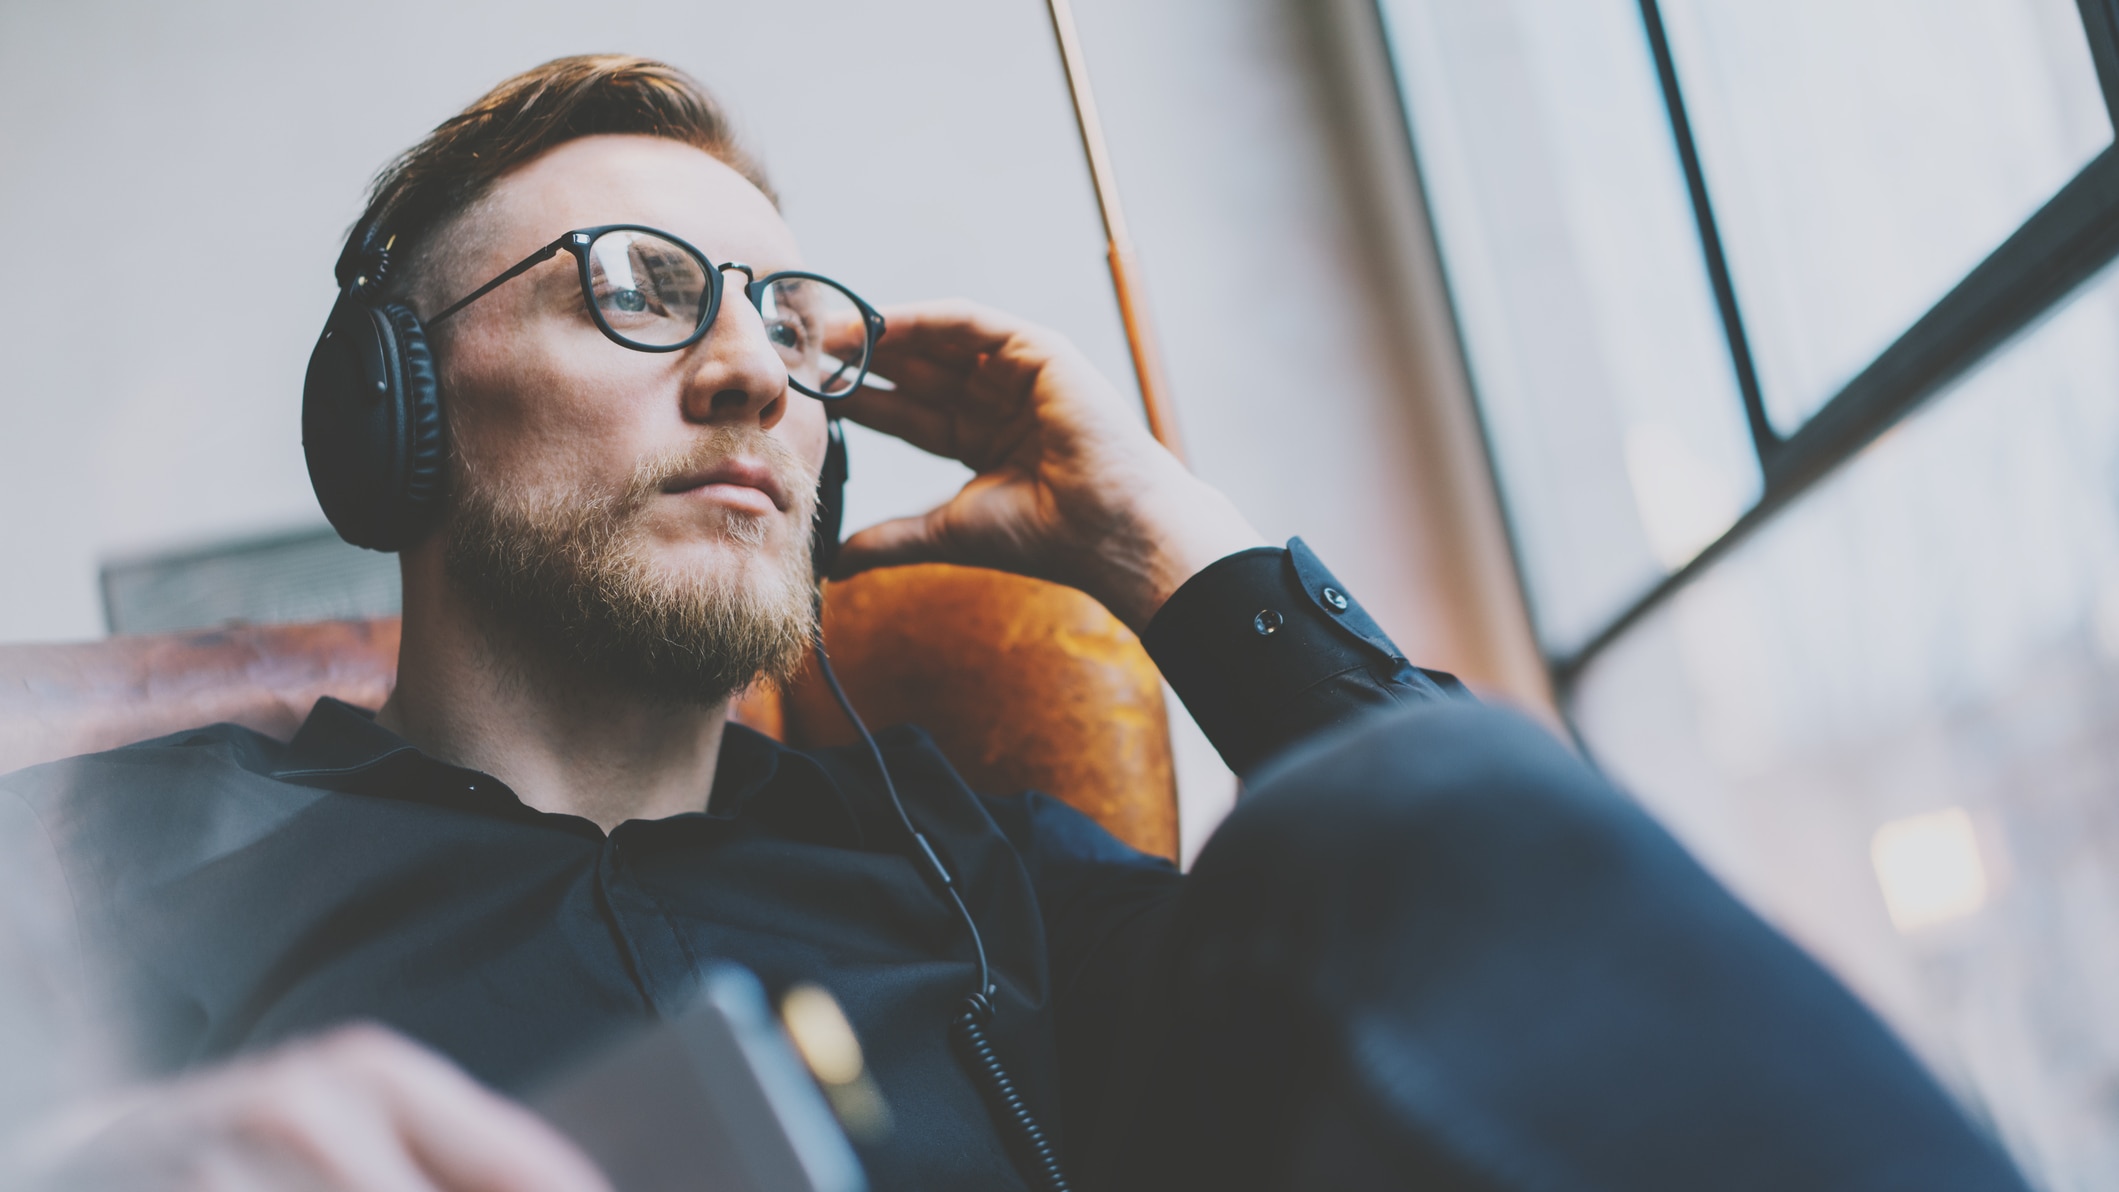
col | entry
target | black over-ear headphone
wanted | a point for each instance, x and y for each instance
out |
(373, 431)
(371, 416)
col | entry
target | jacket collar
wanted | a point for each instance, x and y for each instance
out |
(341, 748)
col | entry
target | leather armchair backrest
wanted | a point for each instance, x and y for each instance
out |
(1024, 685)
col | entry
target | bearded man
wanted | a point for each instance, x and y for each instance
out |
(1430, 949)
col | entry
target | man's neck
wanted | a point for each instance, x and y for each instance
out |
(567, 742)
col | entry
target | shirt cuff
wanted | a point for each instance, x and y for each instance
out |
(1266, 647)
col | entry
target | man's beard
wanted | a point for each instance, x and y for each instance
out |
(571, 576)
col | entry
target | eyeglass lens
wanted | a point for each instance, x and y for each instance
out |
(652, 292)
(648, 291)
(819, 332)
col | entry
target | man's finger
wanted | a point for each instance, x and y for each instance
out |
(468, 1138)
(952, 327)
(917, 373)
(312, 1131)
(968, 430)
(893, 543)
(995, 381)
(931, 427)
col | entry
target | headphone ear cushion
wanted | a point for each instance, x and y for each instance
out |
(426, 443)
(372, 427)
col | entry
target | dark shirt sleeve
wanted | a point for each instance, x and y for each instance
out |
(1267, 647)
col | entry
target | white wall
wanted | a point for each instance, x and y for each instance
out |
(175, 181)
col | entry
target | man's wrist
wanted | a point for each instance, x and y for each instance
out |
(1176, 534)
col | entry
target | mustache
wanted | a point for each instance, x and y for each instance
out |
(716, 446)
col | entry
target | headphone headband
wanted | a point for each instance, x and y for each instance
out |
(363, 264)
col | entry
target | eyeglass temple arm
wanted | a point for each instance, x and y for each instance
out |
(521, 267)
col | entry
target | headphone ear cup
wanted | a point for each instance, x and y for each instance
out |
(831, 502)
(371, 425)
(426, 444)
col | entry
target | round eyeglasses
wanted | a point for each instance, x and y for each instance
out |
(652, 292)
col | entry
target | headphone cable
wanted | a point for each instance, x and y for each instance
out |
(969, 1025)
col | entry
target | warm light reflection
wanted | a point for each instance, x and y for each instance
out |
(826, 1042)
(822, 1034)
(1929, 868)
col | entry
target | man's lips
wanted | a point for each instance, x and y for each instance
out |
(739, 481)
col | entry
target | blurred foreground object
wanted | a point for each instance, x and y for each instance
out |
(714, 1099)
(827, 1043)
(356, 1108)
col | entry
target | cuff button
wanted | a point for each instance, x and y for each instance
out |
(1335, 598)
(1267, 622)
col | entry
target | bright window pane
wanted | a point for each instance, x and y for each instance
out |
(1601, 369)
(1891, 721)
(1863, 155)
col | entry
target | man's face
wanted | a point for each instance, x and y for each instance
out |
(648, 512)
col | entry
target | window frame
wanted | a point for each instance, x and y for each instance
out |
(2060, 246)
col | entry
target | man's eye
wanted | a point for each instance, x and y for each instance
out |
(784, 335)
(629, 300)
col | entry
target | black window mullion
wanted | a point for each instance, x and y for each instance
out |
(2100, 21)
(1763, 438)
(2074, 235)
(2071, 237)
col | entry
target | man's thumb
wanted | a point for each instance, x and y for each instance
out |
(890, 544)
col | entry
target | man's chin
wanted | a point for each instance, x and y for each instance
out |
(732, 558)
(680, 524)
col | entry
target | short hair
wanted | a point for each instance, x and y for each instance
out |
(546, 106)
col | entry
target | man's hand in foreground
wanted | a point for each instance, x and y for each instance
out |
(1070, 486)
(357, 1110)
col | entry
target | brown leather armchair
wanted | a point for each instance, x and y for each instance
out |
(1024, 685)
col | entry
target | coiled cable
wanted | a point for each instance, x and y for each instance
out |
(1033, 1148)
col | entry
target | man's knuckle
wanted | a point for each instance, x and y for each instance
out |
(363, 1045)
(289, 1109)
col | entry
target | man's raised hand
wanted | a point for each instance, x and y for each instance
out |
(1069, 486)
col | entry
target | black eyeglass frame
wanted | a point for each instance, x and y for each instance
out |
(577, 242)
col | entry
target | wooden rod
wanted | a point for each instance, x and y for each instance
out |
(1118, 247)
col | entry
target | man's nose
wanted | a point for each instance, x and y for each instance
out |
(736, 375)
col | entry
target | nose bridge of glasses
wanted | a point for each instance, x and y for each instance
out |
(751, 289)
(755, 292)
